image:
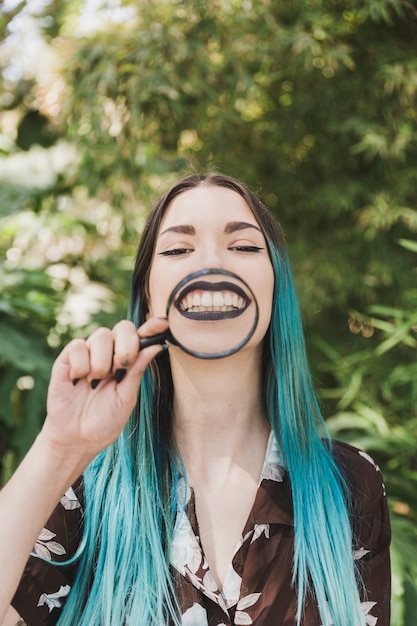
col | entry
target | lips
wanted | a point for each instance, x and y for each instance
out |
(203, 300)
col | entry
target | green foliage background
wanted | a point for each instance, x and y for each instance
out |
(313, 104)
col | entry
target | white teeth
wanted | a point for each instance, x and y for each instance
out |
(206, 299)
(212, 301)
(218, 299)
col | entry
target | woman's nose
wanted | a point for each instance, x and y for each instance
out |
(212, 256)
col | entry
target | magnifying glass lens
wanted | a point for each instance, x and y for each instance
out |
(212, 313)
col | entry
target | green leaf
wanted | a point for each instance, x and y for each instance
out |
(408, 244)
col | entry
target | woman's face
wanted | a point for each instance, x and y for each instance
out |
(211, 227)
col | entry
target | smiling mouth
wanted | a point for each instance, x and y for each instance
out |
(202, 300)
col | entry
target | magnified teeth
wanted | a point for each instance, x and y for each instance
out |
(217, 299)
(206, 299)
(202, 301)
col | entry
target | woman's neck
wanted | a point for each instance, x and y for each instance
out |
(218, 410)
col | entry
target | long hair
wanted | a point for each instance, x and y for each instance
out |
(123, 571)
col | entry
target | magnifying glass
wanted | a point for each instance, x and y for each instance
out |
(212, 313)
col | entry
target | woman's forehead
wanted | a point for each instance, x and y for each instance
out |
(207, 203)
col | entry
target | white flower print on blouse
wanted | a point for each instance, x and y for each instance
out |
(260, 529)
(371, 620)
(53, 600)
(188, 558)
(209, 583)
(231, 587)
(185, 549)
(70, 501)
(45, 545)
(359, 554)
(273, 468)
(372, 462)
(241, 617)
(195, 616)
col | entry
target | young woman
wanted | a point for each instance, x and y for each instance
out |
(197, 492)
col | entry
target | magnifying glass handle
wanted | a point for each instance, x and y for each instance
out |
(154, 340)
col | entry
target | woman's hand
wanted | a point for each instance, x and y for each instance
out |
(82, 419)
(94, 385)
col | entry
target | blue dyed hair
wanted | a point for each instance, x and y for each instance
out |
(130, 488)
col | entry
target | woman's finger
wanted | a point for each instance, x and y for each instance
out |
(126, 345)
(101, 347)
(127, 341)
(74, 360)
(153, 326)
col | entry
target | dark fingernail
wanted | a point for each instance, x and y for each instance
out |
(95, 382)
(119, 375)
(76, 381)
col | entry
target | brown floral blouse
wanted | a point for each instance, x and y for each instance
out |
(257, 588)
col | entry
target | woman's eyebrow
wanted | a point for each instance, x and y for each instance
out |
(233, 227)
(230, 228)
(182, 229)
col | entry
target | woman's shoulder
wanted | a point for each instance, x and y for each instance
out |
(362, 473)
(353, 456)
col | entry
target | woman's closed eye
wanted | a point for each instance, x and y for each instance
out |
(246, 248)
(182, 250)
(175, 251)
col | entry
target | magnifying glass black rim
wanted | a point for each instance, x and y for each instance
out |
(237, 347)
